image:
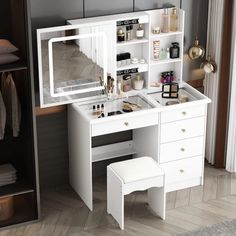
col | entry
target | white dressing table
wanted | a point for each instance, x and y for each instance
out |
(74, 61)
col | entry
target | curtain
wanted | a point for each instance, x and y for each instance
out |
(211, 82)
(231, 144)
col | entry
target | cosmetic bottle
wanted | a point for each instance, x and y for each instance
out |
(174, 20)
(162, 54)
(120, 35)
(140, 32)
(168, 53)
(94, 110)
(128, 33)
(156, 49)
(165, 22)
(174, 50)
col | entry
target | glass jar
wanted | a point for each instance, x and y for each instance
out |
(126, 83)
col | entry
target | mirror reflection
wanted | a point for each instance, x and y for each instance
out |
(77, 64)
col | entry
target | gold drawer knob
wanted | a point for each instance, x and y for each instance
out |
(184, 113)
(182, 149)
(126, 123)
(183, 130)
(181, 171)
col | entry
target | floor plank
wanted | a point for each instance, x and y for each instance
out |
(64, 213)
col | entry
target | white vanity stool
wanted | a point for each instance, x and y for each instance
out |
(135, 175)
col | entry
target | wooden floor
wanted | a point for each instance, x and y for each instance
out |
(63, 213)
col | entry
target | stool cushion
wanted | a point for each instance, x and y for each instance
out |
(136, 169)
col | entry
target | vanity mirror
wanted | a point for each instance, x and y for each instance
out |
(72, 63)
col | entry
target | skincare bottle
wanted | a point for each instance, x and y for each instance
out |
(128, 33)
(165, 22)
(156, 49)
(168, 53)
(162, 54)
(140, 32)
(174, 20)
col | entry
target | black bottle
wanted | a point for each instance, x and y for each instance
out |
(174, 50)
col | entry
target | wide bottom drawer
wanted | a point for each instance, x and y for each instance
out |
(182, 170)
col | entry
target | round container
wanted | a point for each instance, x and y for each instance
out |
(138, 82)
(156, 30)
(6, 208)
(134, 60)
(142, 61)
(120, 35)
(183, 98)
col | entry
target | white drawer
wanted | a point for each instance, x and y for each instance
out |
(182, 129)
(181, 149)
(177, 171)
(124, 124)
(183, 113)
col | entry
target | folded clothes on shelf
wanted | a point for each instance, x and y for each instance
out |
(7, 174)
(6, 52)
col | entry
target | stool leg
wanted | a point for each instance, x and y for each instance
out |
(115, 197)
(157, 201)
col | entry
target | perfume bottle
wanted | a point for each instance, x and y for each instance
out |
(174, 20)
(174, 50)
(140, 32)
(165, 21)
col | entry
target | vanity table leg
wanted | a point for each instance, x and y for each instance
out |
(80, 155)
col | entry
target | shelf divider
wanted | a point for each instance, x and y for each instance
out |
(20, 187)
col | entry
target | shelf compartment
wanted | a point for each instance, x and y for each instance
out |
(113, 151)
(20, 187)
(167, 61)
(141, 67)
(161, 35)
(25, 210)
(20, 65)
(132, 42)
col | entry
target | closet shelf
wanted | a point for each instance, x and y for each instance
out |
(24, 210)
(20, 187)
(20, 65)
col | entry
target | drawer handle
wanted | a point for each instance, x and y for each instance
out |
(183, 130)
(126, 123)
(182, 149)
(181, 171)
(184, 113)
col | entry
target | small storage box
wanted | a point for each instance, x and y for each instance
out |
(6, 208)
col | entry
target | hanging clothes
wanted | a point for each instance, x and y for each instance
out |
(12, 103)
(2, 117)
